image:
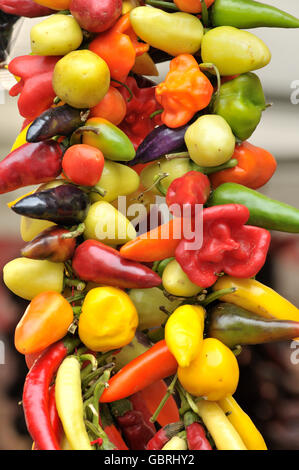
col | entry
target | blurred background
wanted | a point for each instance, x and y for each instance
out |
(269, 382)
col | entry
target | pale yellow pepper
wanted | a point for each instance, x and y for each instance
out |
(222, 431)
(176, 443)
(108, 320)
(184, 333)
(144, 65)
(21, 138)
(213, 374)
(176, 281)
(250, 435)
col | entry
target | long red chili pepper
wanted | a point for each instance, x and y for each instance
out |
(36, 394)
(54, 417)
(107, 423)
(164, 435)
(154, 364)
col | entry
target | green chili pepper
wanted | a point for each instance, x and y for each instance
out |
(241, 102)
(264, 212)
(233, 325)
(250, 14)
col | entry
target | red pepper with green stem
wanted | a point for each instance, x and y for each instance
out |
(35, 87)
(30, 164)
(36, 394)
(107, 423)
(196, 435)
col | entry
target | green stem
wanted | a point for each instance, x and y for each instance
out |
(162, 4)
(75, 233)
(91, 358)
(157, 183)
(172, 156)
(156, 113)
(169, 392)
(80, 285)
(214, 169)
(210, 66)
(102, 192)
(75, 298)
(64, 12)
(126, 87)
(204, 14)
(217, 295)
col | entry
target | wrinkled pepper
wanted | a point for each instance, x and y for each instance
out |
(254, 169)
(264, 211)
(184, 91)
(250, 14)
(30, 164)
(254, 296)
(35, 87)
(241, 102)
(164, 435)
(66, 204)
(228, 246)
(233, 325)
(138, 123)
(119, 47)
(27, 8)
(93, 261)
(196, 435)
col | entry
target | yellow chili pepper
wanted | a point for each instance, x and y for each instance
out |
(222, 431)
(108, 320)
(213, 374)
(257, 298)
(69, 402)
(184, 333)
(21, 138)
(250, 435)
(175, 443)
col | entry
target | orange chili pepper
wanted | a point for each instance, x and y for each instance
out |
(155, 245)
(184, 91)
(192, 6)
(254, 169)
(119, 47)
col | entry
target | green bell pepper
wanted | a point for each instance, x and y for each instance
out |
(264, 212)
(247, 14)
(241, 102)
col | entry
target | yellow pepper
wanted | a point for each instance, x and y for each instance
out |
(184, 333)
(213, 374)
(257, 298)
(222, 431)
(108, 320)
(144, 65)
(128, 5)
(250, 435)
(30, 228)
(176, 443)
(176, 281)
(21, 138)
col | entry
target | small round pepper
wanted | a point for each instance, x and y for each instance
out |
(108, 320)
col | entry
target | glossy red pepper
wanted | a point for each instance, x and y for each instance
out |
(36, 394)
(93, 261)
(196, 435)
(54, 417)
(137, 123)
(35, 87)
(134, 427)
(27, 8)
(164, 435)
(153, 395)
(228, 246)
(83, 164)
(187, 191)
(30, 164)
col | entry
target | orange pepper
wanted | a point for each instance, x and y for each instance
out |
(119, 47)
(254, 169)
(55, 4)
(184, 91)
(45, 321)
(112, 107)
(152, 396)
(158, 244)
(191, 6)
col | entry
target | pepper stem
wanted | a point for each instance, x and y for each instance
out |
(126, 87)
(155, 113)
(204, 14)
(169, 392)
(91, 358)
(80, 285)
(172, 156)
(75, 233)
(162, 4)
(217, 295)
(214, 169)
(210, 66)
(157, 182)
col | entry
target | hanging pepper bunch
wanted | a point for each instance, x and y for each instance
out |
(126, 315)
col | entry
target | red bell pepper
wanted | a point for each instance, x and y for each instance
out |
(137, 123)
(30, 164)
(228, 246)
(27, 8)
(187, 191)
(93, 261)
(35, 87)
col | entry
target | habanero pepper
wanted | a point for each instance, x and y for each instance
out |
(164, 435)
(36, 394)
(134, 428)
(228, 246)
(30, 164)
(196, 435)
(27, 8)
(35, 87)
(95, 262)
(184, 91)
(255, 167)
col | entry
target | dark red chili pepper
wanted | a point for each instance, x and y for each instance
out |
(132, 423)
(139, 404)
(196, 435)
(66, 204)
(93, 261)
(187, 191)
(107, 423)
(36, 394)
(52, 245)
(27, 8)
(30, 164)
(35, 87)
(228, 246)
(164, 435)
